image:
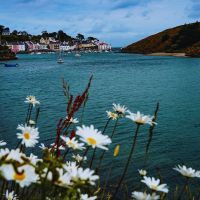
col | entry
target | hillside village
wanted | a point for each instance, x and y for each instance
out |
(22, 42)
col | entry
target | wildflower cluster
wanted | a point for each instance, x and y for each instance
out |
(70, 168)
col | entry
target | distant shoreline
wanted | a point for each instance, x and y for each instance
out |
(167, 54)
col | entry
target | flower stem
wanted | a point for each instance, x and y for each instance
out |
(29, 113)
(65, 154)
(107, 178)
(94, 151)
(183, 189)
(85, 153)
(93, 156)
(2, 189)
(151, 134)
(128, 161)
(103, 153)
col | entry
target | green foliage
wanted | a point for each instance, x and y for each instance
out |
(80, 36)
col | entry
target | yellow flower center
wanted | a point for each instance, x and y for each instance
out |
(139, 121)
(91, 141)
(19, 177)
(154, 187)
(113, 115)
(27, 135)
(70, 144)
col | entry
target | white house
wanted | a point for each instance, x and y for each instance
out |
(102, 46)
(43, 46)
(64, 47)
(21, 46)
(6, 31)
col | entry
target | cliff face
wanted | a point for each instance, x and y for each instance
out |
(183, 39)
(6, 54)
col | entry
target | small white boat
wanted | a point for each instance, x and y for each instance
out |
(77, 55)
(60, 59)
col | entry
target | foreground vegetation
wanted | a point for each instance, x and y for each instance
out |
(66, 169)
(6, 54)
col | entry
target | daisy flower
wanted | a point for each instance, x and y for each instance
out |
(4, 152)
(154, 184)
(32, 100)
(61, 147)
(42, 146)
(187, 172)
(78, 173)
(83, 175)
(69, 166)
(64, 178)
(79, 158)
(144, 196)
(49, 175)
(34, 159)
(142, 172)
(25, 176)
(93, 137)
(119, 109)
(86, 197)
(72, 143)
(73, 120)
(11, 195)
(2, 143)
(140, 118)
(29, 135)
(16, 155)
(31, 122)
(112, 115)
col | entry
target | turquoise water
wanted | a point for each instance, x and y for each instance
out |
(136, 81)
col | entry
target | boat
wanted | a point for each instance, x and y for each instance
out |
(60, 59)
(77, 55)
(10, 65)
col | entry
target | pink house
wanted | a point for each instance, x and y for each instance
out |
(102, 46)
(30, 46)
(16, 46)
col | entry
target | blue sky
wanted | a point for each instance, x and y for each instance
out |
(119, 22)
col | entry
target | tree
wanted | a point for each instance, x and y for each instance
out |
(14, 32)
(1, 29)
(7, 29)
(45, 34)
(62, 36)
(91, 38)
(80, 36)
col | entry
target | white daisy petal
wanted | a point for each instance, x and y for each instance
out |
(28, 135)
(93, 137)
(187, 172)
(154, 184)
(140, 118)
(32, 100)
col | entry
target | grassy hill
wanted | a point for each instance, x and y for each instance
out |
(181, 39)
